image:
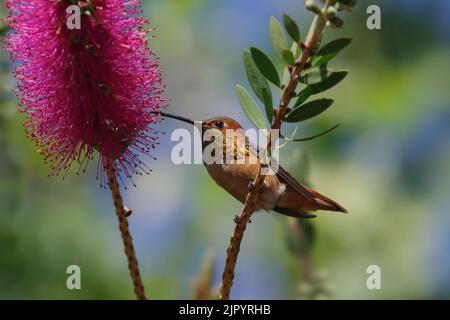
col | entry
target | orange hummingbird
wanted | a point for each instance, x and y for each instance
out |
(280, 192)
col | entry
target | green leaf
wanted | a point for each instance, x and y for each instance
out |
(312, 137)
(315, 76)
(265, 66)
(296, 52)
(295, 49)
(333, 79)
(268, 104)
(291, 28)
(329, 51)
(336, 22)
(308, 110)
(255, 77)
(250, 108)
(288, 57)
(303, 96)
(333, 47)
(278, 37)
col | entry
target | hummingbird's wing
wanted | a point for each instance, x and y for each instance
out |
(284, 176)
(316, 200)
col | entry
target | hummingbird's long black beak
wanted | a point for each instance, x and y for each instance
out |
(168, 115)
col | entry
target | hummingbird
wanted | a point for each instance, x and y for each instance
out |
(280, 192)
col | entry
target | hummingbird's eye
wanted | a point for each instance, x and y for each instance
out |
(219, 124)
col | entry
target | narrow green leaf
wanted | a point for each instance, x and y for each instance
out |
(336, 22)
(308, 110)
(329, 51)
(295, 49)
(303, 96)
(278, 37)
(333, 79)
(296, 52)
(250, 108)
(291, 28)
(288, 57)
(255, 77)
(314, 136)
(334, 46)
(330, 81)
(315, 76)
(265, 66)
(268, 104)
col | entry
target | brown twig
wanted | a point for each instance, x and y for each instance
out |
(122, 213)
(236, 238)
(312, 40)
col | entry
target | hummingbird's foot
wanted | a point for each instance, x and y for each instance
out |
(250, 186)
(127, 211)
(237, 220)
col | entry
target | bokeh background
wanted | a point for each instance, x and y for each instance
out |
(388, 164)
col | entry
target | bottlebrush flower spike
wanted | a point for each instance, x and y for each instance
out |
(87, 89)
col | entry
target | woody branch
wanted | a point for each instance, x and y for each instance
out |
(122, 214)
(307, 49)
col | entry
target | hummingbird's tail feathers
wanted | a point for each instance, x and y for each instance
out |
(325, 203)
(294, 213)
(314, 200)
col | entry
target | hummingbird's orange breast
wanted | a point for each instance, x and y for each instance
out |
(235, 179)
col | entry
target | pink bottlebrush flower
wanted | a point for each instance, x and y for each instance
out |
(87, 89)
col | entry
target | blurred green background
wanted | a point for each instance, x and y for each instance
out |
(388, 164)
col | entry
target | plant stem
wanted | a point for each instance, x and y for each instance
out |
(312, 40)
(202, 289)
(122, 213)
(236, 238)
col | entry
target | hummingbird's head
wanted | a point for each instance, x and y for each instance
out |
(221, 123)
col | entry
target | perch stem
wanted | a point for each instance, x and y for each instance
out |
(236, 239)
(312, 40)
(122, 213)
